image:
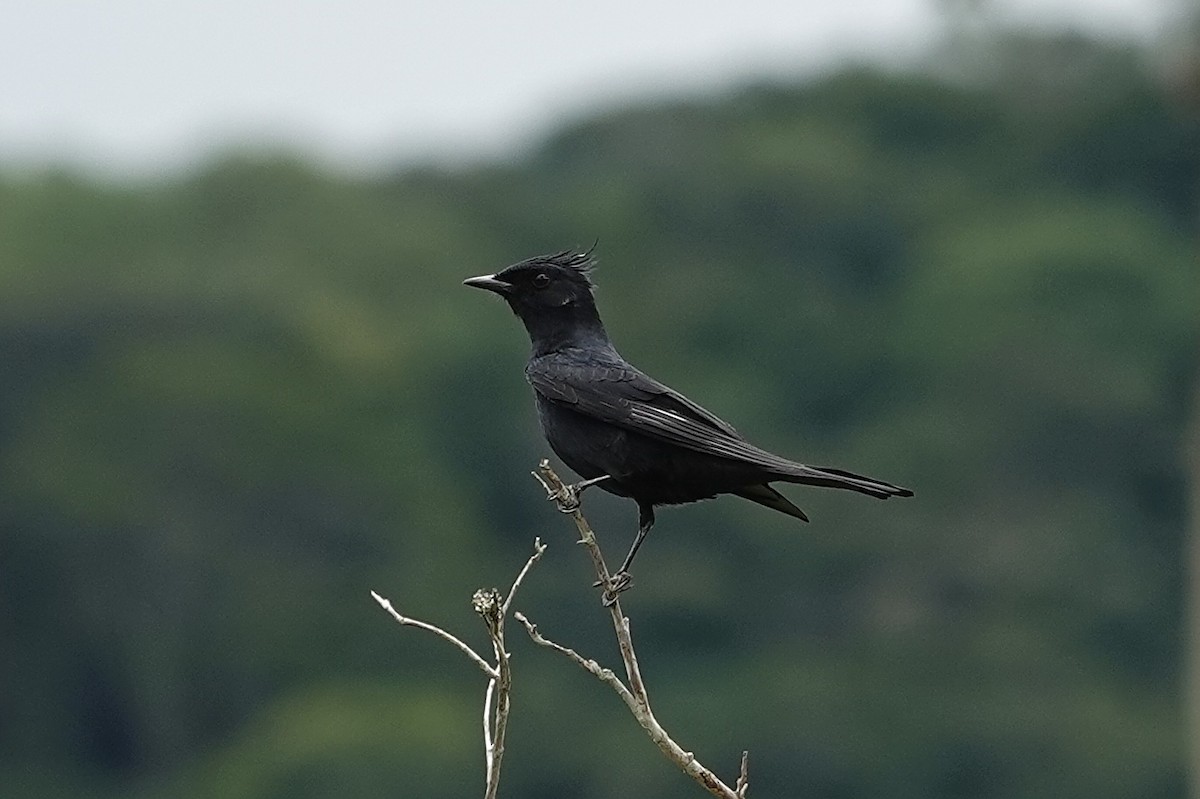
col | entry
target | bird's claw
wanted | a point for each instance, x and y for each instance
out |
(617, 583)
(567, 499)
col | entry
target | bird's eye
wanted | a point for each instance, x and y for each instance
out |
(541, 280)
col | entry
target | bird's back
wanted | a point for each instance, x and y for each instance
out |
(588, 405)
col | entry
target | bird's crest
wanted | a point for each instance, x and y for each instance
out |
(581, 261)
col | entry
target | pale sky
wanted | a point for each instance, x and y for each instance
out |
(129, 86)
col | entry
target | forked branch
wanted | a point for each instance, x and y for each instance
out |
(493, 608)
(634, 694)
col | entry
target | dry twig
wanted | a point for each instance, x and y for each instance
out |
(493, 608)
(634, 695)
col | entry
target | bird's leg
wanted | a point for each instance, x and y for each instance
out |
(621, 580)
(568, 498)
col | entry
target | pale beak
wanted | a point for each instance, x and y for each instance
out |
(488, 282)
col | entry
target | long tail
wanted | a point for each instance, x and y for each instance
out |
(836, 478)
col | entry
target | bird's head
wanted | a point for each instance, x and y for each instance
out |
(542, 282)
(552, 294)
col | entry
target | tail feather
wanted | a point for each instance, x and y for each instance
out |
(765, 495)
(838, 478)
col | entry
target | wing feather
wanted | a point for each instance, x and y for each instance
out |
(621, 395)
(624, 396)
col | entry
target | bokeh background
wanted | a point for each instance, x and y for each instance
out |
(950, 245)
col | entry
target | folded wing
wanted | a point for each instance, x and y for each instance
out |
(623, 396)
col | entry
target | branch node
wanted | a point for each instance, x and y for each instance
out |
(566, 497)
(487, 602)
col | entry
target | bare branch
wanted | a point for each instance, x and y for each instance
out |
(538, 549)
(487, 669)
(493, 608)
(743, 780)
(488, 759)
(607, 676)
(500, 724)
(635, 696)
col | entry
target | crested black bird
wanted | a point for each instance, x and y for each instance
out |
(625, 431)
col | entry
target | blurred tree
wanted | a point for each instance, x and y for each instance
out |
(235, 401)
(1182, 75)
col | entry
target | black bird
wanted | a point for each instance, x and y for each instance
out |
(623, 430)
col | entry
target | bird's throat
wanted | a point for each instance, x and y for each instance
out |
(568, 326)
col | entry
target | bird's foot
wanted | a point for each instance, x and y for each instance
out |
(567, 498)
(617, 583)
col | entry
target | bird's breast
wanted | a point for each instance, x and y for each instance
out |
(583, 443)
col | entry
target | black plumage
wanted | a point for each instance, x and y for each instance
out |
(634, 436)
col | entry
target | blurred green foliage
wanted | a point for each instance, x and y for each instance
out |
(235, 401)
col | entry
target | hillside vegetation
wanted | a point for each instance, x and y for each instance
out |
(235, 400)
